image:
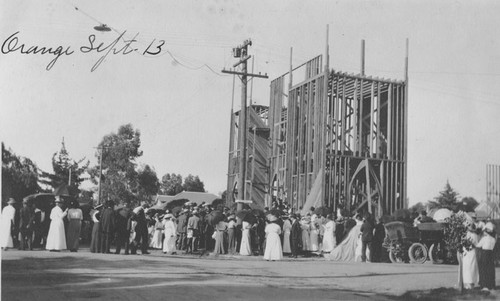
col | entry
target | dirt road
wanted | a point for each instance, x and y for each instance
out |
(42, 275)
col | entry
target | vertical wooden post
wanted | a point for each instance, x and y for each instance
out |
(362, 57)
(405, 151)
(242, 131)
(325, 114)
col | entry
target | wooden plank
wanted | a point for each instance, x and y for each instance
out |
(356, 118)
(360, 122)
(379, 128)
(372, 105)
(389, 122)
(342, 117)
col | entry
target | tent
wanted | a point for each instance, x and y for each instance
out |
(487, 209)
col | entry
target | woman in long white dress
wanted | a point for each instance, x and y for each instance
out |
(8, 216)
(273, 249)
(314, 233)
(245, 247)
(329, 240)
(287, 228)
(170, 235)
(470, 266)
(305, 224)
(346, 250)
(56, 239)
(157, 234)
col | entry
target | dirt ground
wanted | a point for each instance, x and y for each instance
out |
(43, 275)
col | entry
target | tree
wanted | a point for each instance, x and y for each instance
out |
(65, 168)
(120, 178)
(148, 183)
(19, 176)
(171, 184)
(418, 207)
(193, 183)
(448, 198)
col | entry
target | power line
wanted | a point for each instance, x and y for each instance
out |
(176, 60)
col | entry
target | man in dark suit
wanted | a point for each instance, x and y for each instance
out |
(366, 237)
(26, 218)
(107, 226)
(141, 229)
(295, 235)
(122, 222)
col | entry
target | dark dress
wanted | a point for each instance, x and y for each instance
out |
(107, 226)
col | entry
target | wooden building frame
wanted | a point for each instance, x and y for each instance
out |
(334, 139)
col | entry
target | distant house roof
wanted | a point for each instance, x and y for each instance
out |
(162, 201)
(196, 197)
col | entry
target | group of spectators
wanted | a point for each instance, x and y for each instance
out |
(33, 226)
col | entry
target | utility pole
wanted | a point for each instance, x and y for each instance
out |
(100, 176)
(241, 52)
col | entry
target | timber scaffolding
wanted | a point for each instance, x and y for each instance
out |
(335, 139)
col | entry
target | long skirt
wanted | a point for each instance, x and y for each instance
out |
(486, 268)
(245, 248)
(56, 239)
(73, 235)
(95, 243)
(470, 267)
(169, 242)
(219, 243)
(231, 241)
(273, 249)
(314, 235)
(286, 242)
(156, 240)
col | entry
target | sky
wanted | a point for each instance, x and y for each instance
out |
(181, 102)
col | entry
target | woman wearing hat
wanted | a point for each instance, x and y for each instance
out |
(8, 216)
(56, 240)
(470, 267)
(170, 234)
(75, 217)
(273, 249)
(486, 260)
(329, 240)
(287, 228)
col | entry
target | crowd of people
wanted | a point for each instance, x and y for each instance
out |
(271, 233)
(478, 258)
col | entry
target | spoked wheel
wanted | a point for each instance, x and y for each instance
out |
(417, 253)
(436, 253)
(395, 257)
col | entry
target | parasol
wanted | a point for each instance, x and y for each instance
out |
(250, 218)
(41, 200)
(275, 212)
(258, 213)
(242, 213)
(176, 210)
(322, 211)
(214, 217)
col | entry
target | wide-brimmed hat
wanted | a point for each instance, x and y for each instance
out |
(168, 216)
(11, 201)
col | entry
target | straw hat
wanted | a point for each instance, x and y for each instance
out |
(168, 216)
(11, 201)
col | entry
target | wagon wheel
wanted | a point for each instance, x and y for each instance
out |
(417, 253)
(395, 256)
(436, 253)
